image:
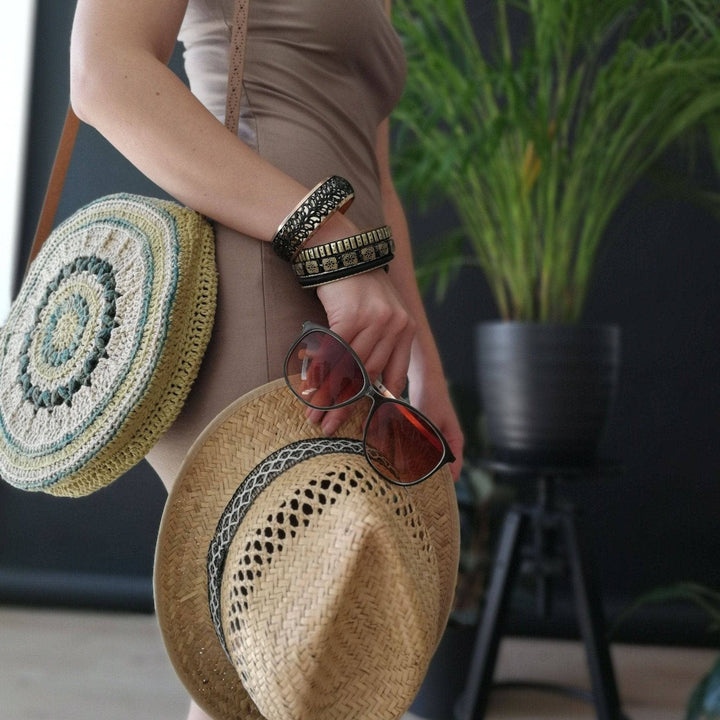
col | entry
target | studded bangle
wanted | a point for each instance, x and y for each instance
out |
(348, 258)
(328, 197)
(337, 247)
(314, 272)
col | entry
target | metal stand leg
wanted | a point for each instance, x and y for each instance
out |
(592, 625)
(477, 692)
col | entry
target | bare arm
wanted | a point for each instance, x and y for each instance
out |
(120, 84)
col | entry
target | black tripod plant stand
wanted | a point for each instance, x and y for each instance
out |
(543, 540)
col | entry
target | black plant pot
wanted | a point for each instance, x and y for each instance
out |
(546, 389)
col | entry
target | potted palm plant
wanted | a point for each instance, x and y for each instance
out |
(535, 142)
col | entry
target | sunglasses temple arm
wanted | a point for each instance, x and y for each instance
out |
(383, 390)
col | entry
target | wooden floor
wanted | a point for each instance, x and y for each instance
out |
(91, 666)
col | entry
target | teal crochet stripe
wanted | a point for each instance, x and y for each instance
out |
(76, 308)
(44, 450)
(56, 352)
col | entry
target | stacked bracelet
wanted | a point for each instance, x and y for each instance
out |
(352, 258)
(328, 197)
(336, 247)
(342, 258)
(312, 281)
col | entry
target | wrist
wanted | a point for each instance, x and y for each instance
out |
(334, 228)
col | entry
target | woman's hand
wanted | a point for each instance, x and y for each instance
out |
(367, 312)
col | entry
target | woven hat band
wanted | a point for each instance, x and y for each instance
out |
(329, 595)
(256, 481)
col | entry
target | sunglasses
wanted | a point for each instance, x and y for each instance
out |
(400, 443)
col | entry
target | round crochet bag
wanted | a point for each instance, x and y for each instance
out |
(110, 326)
(103, 342)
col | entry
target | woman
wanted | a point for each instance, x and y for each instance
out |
(320, 78)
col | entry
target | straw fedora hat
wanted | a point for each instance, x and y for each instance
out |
(291, 582)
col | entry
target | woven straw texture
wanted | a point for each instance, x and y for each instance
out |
(103, 342)
(342, 618)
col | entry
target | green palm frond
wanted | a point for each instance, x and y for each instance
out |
(536, 140)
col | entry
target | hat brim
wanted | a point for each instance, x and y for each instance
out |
(251, 428)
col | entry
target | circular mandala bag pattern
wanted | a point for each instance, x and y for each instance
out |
(103, 342)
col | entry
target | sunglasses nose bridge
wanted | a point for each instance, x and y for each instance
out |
(373, 393)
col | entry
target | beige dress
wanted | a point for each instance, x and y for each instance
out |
(320, 75)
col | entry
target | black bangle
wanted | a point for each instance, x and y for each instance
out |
(311, 281)
(328, 197)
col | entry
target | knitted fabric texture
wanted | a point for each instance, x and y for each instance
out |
(103, 342)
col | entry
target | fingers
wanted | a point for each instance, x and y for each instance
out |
(333, 419)
(439, 407)
(366, 311)
(455, 469)
(385, 349)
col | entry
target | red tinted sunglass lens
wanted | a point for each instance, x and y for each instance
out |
(321, 371)
(401, 444)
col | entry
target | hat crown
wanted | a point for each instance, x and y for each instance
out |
(330, 597)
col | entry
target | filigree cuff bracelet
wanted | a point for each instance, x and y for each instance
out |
(328, 197)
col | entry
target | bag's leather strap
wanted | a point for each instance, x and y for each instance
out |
(55, 184)
(72, 123)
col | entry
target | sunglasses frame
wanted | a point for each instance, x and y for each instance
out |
(378, 395)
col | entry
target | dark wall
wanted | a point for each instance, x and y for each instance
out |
(655, 524)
